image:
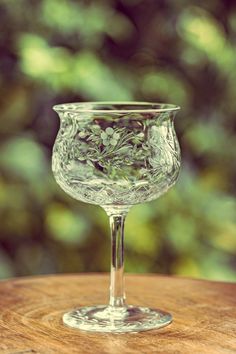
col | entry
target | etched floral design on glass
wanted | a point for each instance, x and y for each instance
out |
(116, 155)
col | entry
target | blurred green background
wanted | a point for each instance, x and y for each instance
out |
(56, 51)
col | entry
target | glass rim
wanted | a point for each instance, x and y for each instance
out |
(85, 107)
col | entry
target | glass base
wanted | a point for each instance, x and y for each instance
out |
(116, 319)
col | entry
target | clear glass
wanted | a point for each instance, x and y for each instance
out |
(116, 154)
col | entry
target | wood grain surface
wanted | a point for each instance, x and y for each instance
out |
(31, 310)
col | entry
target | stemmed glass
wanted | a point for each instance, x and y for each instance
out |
(116, 154)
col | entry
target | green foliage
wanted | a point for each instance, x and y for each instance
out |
(205, 33)
(61, 51)
(59, 70)
(165, 84)
(64, 225)
(23, 157)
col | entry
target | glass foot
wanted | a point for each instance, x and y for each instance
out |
(116, 320)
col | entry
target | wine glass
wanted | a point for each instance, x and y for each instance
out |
(116, 154)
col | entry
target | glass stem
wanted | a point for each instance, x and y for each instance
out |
(117, 294)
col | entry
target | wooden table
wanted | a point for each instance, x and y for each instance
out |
(31, 310)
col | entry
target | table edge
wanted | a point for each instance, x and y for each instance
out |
(106, 275)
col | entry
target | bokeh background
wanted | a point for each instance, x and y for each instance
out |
(55, 51)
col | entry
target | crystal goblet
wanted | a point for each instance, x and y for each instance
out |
(116, 154)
